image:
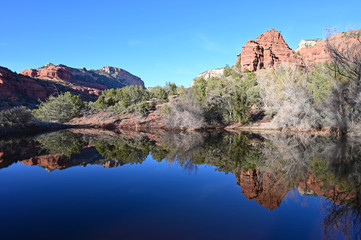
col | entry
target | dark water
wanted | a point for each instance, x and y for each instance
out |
(102, 185)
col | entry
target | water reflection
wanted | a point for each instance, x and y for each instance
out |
(267, 167)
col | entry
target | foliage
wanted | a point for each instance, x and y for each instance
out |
(63, 142)
(319, 83)
(227, 71)
(171, 88)
(120, 99)
(141, 107)
(15, 116)
(60, 109)
(159, 93)
(128, 151)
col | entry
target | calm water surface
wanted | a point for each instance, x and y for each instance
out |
(102, 185)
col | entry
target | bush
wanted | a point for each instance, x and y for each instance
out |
(285, 96)
(159, 94)
(120, 99)
(184, 115)
(142, 108)
(15, 116)
(60, 109)
(227, 71)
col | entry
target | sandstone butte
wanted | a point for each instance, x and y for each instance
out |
(267, 51)
(270, 49)
(30, 85)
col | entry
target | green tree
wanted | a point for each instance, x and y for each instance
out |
(60, 109)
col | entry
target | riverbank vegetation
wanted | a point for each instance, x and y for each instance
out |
(324, 97)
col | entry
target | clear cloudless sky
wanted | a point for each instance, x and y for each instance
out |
(159, 41)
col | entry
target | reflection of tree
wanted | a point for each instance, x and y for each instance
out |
(326, 167)
(345, 218)
(126, 150)
(266, 167)
(64, 142)
(15, 149)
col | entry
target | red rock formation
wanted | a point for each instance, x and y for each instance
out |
(265, 189)
(55, 73)
(18, 88)
(318, 53)
(269, 50)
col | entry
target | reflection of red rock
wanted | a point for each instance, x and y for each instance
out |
(267, 51)
(318, 53)
(263, 187)
(51, 162)
(317, 187)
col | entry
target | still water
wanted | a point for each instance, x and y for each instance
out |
(102, 185)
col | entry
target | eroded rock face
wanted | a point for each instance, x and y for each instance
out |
(55, 73)
(218, 72)
(15, 88)
(318, 53)
(263, 187)
(307, 43)
(107, 77)
(269, 50)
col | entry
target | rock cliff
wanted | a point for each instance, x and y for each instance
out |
(318, 53)
(107, 77)
(17, 89)
(267, 51)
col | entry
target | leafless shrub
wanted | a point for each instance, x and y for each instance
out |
(343, 108)
(184, 114)
(286, 98)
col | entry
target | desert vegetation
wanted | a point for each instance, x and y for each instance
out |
(325, 97)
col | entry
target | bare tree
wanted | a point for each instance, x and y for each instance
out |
(343, 109)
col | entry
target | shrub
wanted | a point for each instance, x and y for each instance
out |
(159, 94)
(184, 114)
(227, 71)
(120, 99)
(15, 116)
(59, 109)
(285, 96)
(142, 107)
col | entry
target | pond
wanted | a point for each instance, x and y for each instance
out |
(92, 184)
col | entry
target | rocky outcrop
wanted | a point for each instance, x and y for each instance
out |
(318, 53)
(17, 89)
(269, 50)
(51, 72)
(218, 72)
(307, 43)
(107, 77)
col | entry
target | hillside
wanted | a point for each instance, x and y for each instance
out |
(30, 85)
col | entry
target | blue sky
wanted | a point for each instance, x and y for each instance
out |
(159, 41)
